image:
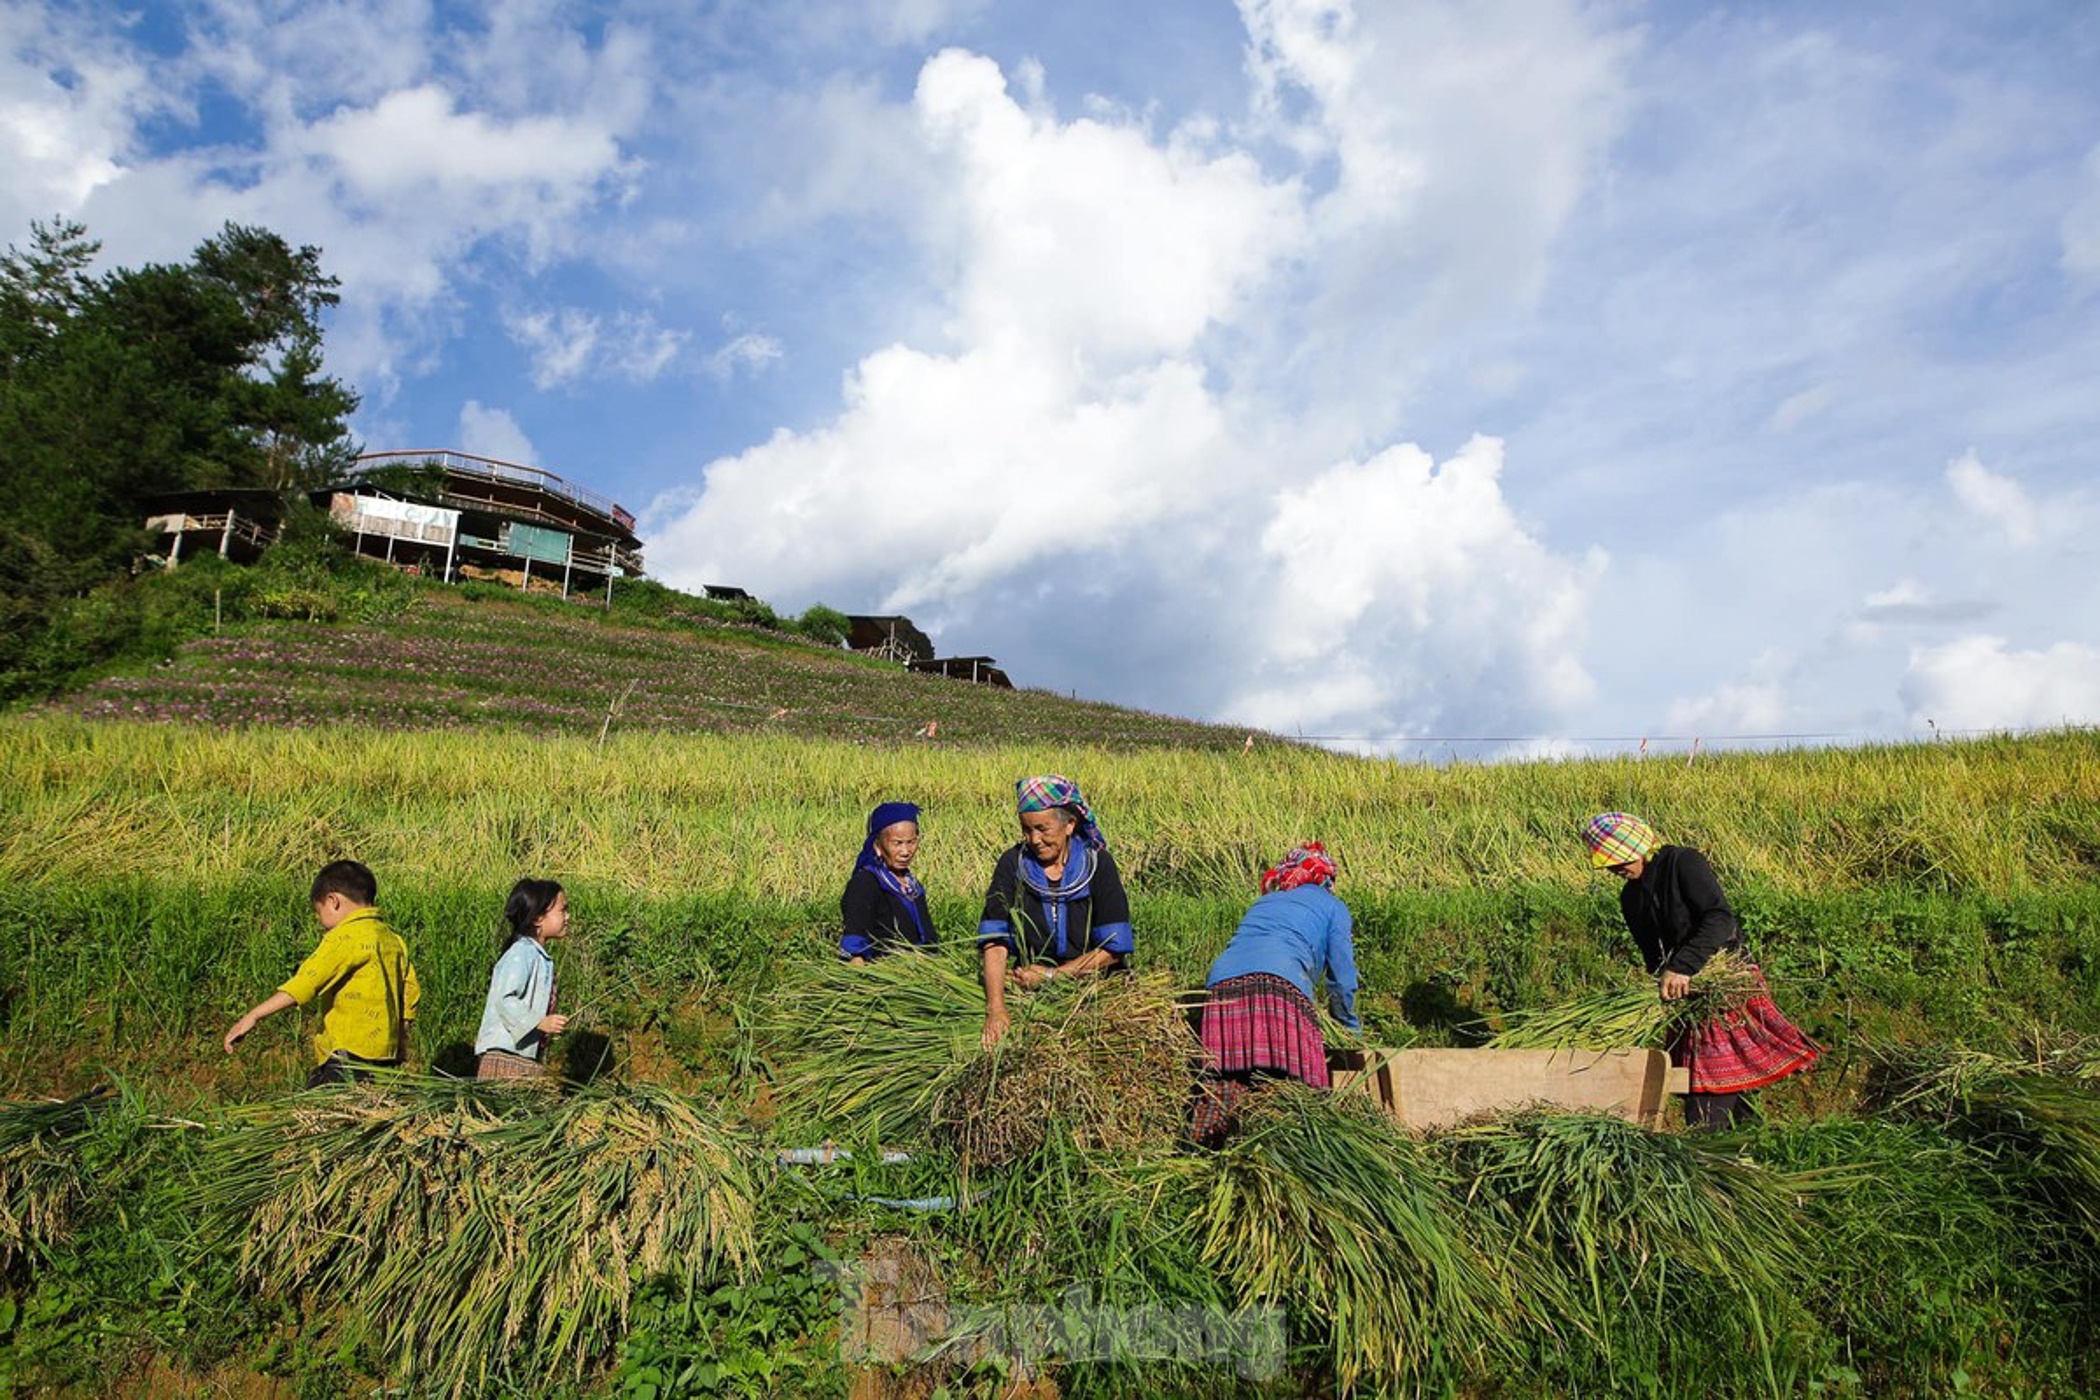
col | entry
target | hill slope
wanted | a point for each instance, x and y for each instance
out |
(453, 659)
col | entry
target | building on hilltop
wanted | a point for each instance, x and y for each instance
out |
(236, 524)
(891, 638)
(899, 639)
(449, 515)
(456, 515)
(978, 670)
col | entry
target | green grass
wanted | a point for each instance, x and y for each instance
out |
(152, 884)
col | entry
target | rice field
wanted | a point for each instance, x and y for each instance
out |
(1914, 1218)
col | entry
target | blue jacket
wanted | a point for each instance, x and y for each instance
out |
(1297, 935)
(519, 990)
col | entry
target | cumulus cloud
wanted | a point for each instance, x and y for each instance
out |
(1398, 581)
(399, 143)
(2000, 500)
(1074, 446)
(493, 432)
(1979, 682)
(69, 103)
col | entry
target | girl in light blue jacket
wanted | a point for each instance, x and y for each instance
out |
(520, 1016)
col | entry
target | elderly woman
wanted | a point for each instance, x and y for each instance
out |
(1056, 907)
(884, 907)
(1260, 1022)
(1674, 908)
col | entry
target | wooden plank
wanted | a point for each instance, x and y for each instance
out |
(1439, 1088)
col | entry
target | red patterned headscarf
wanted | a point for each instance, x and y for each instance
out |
(1304, 865)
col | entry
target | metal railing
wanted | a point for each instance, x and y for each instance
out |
(228, 526)
(490, 469)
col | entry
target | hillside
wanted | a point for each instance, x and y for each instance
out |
(445, 658)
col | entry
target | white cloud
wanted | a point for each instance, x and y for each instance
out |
(569, 343)
(1977, 683)
(748, 352)
(1069, 378)
(1075, 436)
(1398, 582)
(493, 432)
(401, 145)
(69, 103)
(1739, 708)
(2081, 226)
(2000, 500)
(1460, 137)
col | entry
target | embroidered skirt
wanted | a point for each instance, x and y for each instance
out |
(1743, 1049)
(1254, 1027)
(502, 1064)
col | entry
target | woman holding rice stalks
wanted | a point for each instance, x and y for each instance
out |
(1674, 908)
(1260, 1022)
(519, 1016)
(884, 906)
(1056, 906)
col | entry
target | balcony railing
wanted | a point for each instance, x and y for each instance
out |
(489, 469)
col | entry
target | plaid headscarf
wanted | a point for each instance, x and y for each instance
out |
(1615, 838)
(1302, 865)
(1049, 792)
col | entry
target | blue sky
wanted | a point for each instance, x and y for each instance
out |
(1414, 372)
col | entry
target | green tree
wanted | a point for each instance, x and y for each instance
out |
(120, 387)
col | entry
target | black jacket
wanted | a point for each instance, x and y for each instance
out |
(1089, 909)
(1677, 913)
(877, 920)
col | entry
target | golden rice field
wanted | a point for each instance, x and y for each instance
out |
(1914, 1219)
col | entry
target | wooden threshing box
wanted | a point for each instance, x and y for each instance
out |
(1439, 1088)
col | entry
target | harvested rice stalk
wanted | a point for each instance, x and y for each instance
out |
(1632, 1014)
(889, 1052)
(1656, 1233)
(461, 1232)
(865, 1050)
(2047, 1123)
(43, 1180)
(1325, 1206)
(1110, 1058)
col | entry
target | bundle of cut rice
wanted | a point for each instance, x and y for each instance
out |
(1325, 1206)
(890, 1052)
(2044, 1121)
(43, 1178)
(1632, 1014)
(462, 1231)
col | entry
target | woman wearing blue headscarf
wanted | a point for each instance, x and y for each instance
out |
(884, 907)
(1056, 906)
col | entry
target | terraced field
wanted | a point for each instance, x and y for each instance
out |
(452, 660)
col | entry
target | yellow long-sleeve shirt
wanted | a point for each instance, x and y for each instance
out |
(368, 992)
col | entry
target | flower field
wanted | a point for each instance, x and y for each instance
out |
(449, 659)
(1919, 1206)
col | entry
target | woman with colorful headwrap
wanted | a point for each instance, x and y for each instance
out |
(1674, 908)
(1260, 1021)
(884, 907)
(1056, 906)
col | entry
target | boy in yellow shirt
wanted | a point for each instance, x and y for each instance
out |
(361, 975)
